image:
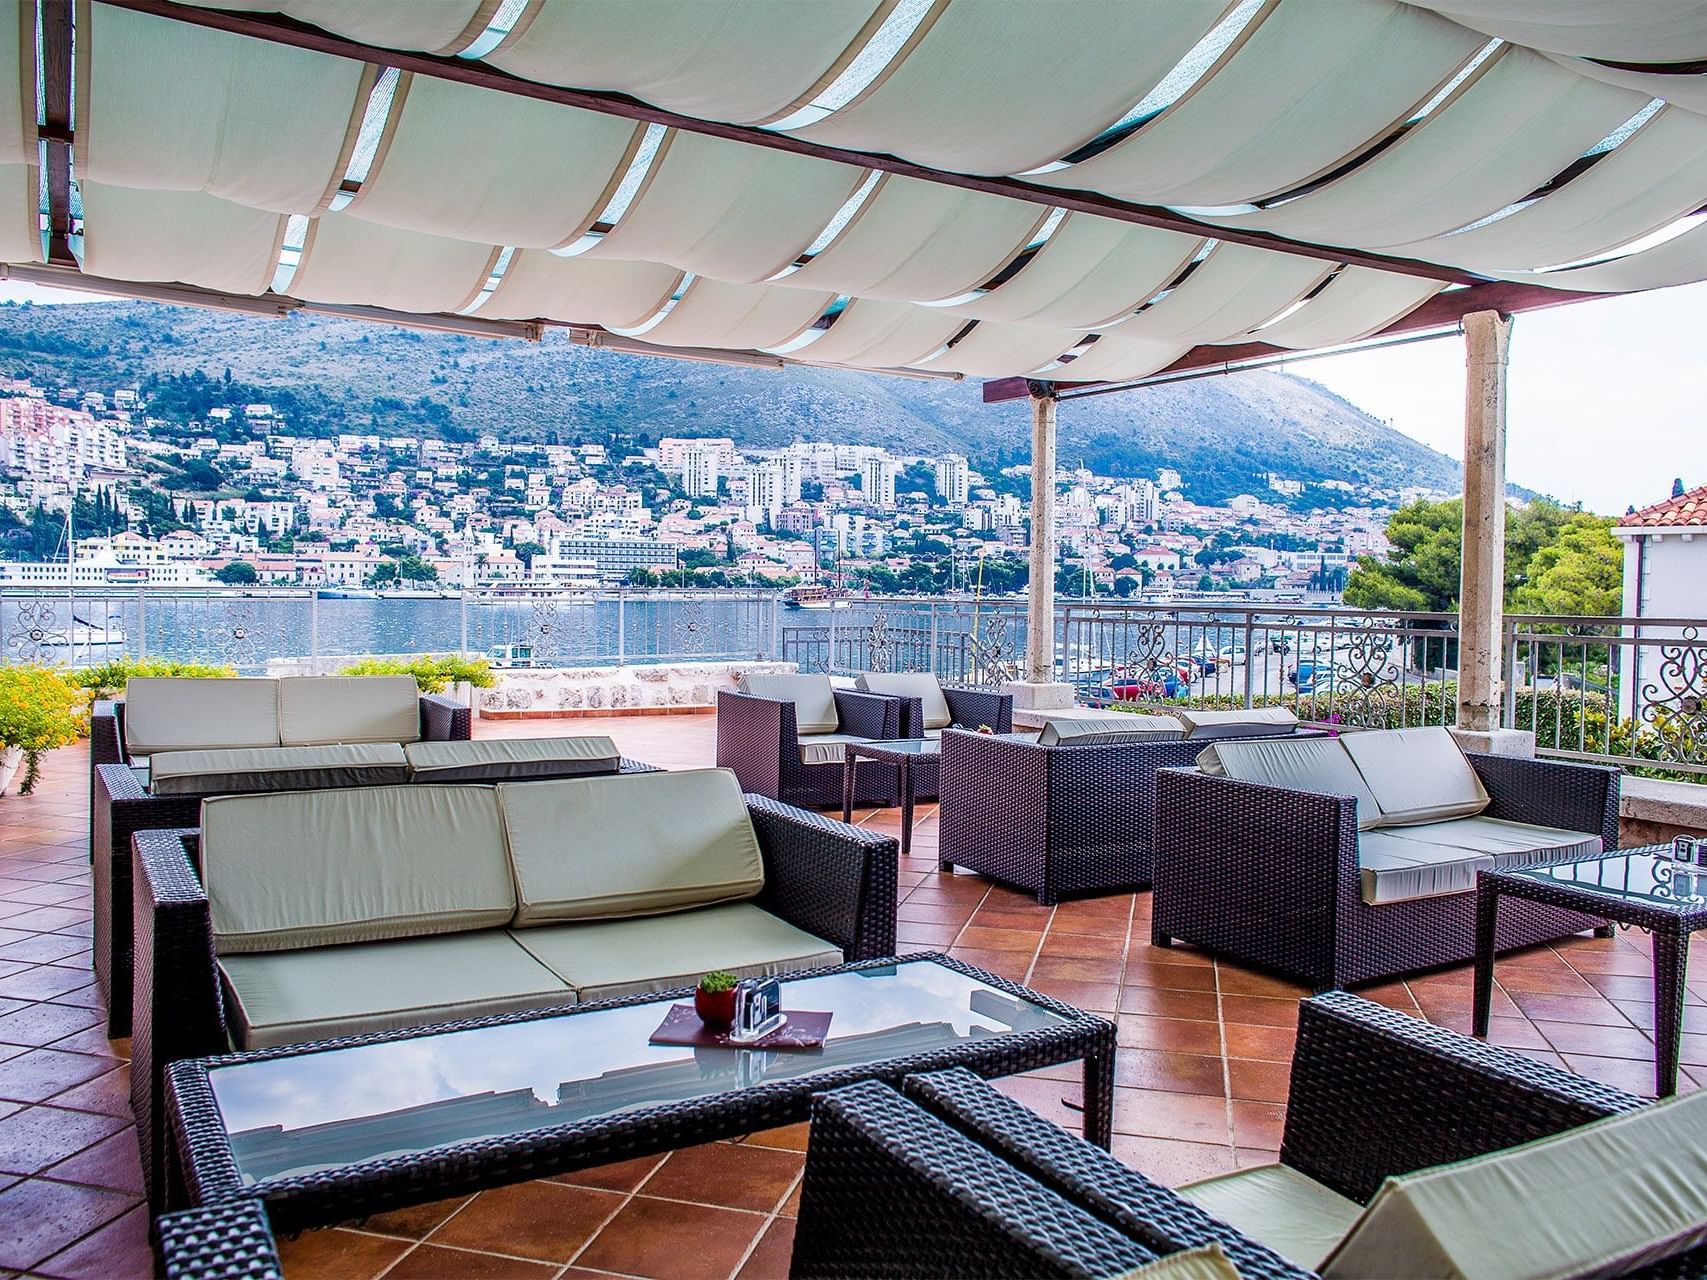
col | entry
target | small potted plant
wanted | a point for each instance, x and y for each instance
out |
(714, 1000)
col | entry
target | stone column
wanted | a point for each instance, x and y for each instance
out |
(1036, 691)
(1040, 594)
(1481, 590)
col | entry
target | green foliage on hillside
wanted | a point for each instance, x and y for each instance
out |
(328, 376)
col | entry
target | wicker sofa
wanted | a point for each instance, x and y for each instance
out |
(1074, 810)
(783, 736)
(306, 915)
(1343, 860)
(171, 740)
(956, 1180)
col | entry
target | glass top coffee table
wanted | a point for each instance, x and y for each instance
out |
(918, 761)
(1643, 888)
(329, 1131)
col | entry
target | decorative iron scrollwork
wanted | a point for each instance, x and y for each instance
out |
(1676, 707)
(36, 634)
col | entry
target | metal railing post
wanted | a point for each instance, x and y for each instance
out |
(1508, 696)
(621, 627)
(314, 630)
(1250, 654)
(935, 659)
(830, 661)
(462, 617)
(142, 624)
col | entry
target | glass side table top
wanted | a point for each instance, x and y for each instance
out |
(1646, 876)
(327, 1109)
(905, 746)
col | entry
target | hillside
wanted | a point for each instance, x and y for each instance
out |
(1222, 434)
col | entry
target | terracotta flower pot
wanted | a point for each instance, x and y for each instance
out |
(715, 1008)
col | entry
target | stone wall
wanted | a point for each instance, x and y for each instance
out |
(638, 690)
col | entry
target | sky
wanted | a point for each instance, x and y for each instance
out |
(1607, 399)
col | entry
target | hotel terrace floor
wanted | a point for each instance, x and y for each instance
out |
(1202, 1067)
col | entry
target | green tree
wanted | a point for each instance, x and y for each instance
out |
(1581, 573)
(528, 552)
(239, 573)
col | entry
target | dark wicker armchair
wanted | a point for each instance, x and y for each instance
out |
(758, 739)
(833, 881)
(971, 709)
(120, 805)
(228, 1241)
(1374, 1094)
(1270, 876)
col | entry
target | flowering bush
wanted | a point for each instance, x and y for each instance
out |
(110, 678)
(433, 675)
(40, 708)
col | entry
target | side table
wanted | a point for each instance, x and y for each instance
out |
(915, 759)
(1641, 887)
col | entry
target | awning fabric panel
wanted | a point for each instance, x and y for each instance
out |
(429, 26)
(168, 105)
(1656, 176)
(18, 85)
(1617, 30)
(132, 233)
(746, 61)
(361, 263)
(724, 209)
(921, 242)
(1091, 272)
(1355, 304)
(1520, 121)
(1682, 260)
(713, 314)
(20, 217)
(1235, 289)
(1118, 355)
(617, 295)
(480, 165)
(1371, 65)
(1002, 86)
(882, 335)
(994, 349)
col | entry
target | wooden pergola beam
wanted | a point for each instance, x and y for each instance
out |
(1443, 311)
(281, 30)
(56, 101)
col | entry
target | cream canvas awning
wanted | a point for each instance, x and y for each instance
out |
(1078, 190)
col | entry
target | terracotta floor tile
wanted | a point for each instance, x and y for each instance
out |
(48, 919)
(1258, 1124)
(546, 1221)
(1546, 1007)
(980, 939)
(1172, 1072)
(1561, 981)
(1078, 946)
(1149, 1113)
(1012, 965)
(435, 1262)
(338, 1254)
(925, 913)
(1177, 1035)
(1605, 1042)
(1513, 1033)
(114, 1163)
(669, 1240)
(938, 936)
(1078, 970)
(1267, 1044)
(40, 1218)
(1633, 1075)
(1167, 1002)
(770, 1256)
(91, 1040)
(789, 1137)
(36, 1137)
(1258, 1081)
(415, 1222)
(1143, 971)
(1244, 982)
(1266, 1011)
(624, 1176)
(735, 1176)
(42, 1024)
(40, 948)
(118, 1251)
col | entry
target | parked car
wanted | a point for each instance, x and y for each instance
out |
(1279, 644)
(1309, 677)
(1234, 655)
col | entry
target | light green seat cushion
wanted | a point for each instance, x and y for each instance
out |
(622, 957)
(632, 845)
(501, 759)
(212, 772)
(1095, 731)
(813, 697)
(1416, 775)
(287, 997)
(1604, 1199)
(911, 684)
(187, 713)
(321, 709)
(1206, 1263)
(1403, 863)
(1246, 722)
(826, 748)
(323, 868)
(1294, 764)
(1275, 1205)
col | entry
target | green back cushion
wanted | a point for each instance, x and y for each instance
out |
(187, 713)
(812, 695)
(323, 709)
(322, 868)
(635, 845)
(912, 684)
(1102, 730)
(1294, 764)
(508, 759)
(1601, 1200)
(1248, 722)
(275, 768)
(1416, 775)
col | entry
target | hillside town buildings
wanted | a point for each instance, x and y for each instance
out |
(192, 499)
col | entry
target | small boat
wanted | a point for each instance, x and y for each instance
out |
(347, 593)
(811, 595)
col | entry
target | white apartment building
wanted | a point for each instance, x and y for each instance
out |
(877, 481)
(700, 471)
(673, 451)
(953, 479)
(50, 443)
(767, 491)
(315, 464)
